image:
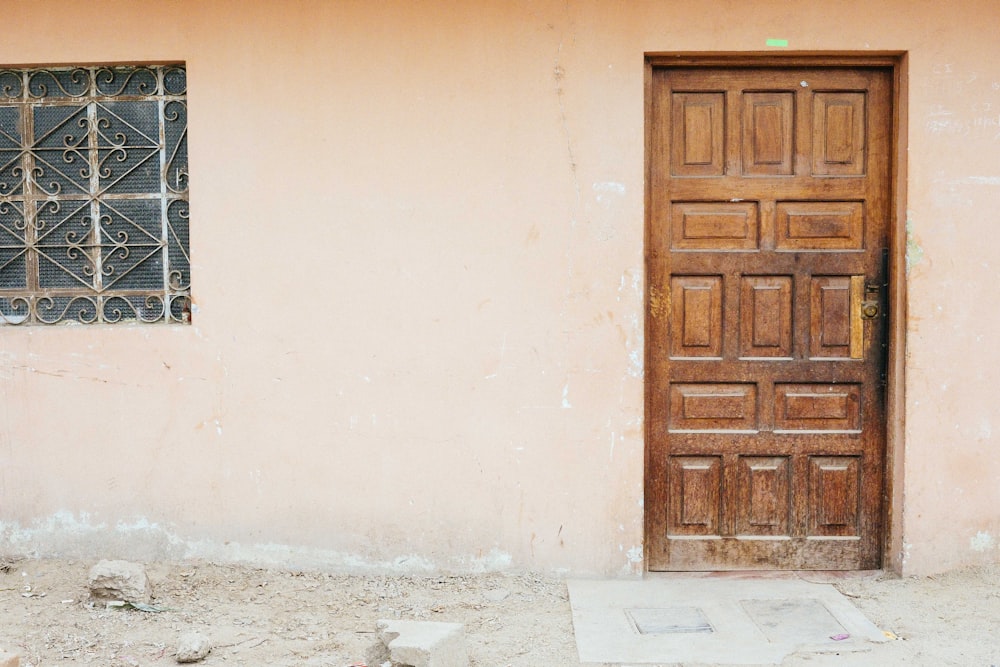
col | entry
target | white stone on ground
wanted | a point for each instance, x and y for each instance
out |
(120, 580)
(193, 647)
(420, 644)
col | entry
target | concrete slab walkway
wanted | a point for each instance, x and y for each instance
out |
(716, 621)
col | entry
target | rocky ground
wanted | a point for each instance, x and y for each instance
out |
(282, 618)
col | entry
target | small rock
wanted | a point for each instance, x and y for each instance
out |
(419, 644)
(9, 659)
(496, 594)
(119, 580)
(193, 647)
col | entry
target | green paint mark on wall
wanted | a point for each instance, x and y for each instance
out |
(777, 42)
(914, 253)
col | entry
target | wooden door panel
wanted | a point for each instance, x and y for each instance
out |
(839, 136)
(696, 485)
(767, 222)
(697, 143)
(714, 225)
(820, 226)
(697, 316)
(834, 496)
(713, 407)
(817, 407)
(763, 493)
(765, 316)
(768, 128)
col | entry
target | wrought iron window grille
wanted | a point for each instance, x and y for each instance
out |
(94, 195)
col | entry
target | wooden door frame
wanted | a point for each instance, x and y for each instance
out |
(897, 63)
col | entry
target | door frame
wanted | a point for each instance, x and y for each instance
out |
(895, 413)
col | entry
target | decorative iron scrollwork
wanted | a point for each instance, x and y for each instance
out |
(94, 195)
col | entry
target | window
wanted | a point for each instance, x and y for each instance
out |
(94, 195)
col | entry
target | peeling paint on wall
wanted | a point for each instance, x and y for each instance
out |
(608, 192)
(634, 339)
(982, 541)
(83, 536)
(633, 560)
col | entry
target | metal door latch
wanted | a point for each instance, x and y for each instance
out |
(870, 306)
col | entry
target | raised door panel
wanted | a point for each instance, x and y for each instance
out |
(713, 407)
(698, 134)
(696, 324)
(839, 134)
(719, 226)
(834, 496)
(817, 407)
(766, 317)
(764, 496)
(696, 492)
(768, 134)
(823, 226)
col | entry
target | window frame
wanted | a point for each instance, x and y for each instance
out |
(94, 195)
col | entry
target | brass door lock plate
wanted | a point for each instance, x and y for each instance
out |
(869, 310)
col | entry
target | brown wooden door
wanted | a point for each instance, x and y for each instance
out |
(767, 238)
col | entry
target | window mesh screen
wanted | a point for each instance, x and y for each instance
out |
(94, 195)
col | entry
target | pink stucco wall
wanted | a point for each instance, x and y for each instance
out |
(417, 235)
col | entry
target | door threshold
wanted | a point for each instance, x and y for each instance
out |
(811, 576)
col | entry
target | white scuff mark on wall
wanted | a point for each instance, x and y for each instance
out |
(565, 396)
(83, 536)
(607, 192)
(631, 279)
(631, 287)
(62, 521)
(983, 180)
(982, 541)
(635, 368)
(256, 477)
(634, 343)
(503, 353)
(985, 429)
(144, 525)
(412, 563)
(633, 560)
(494, 560)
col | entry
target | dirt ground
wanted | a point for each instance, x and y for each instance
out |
(282, 618)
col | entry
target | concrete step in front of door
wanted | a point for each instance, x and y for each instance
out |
(724, 621)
